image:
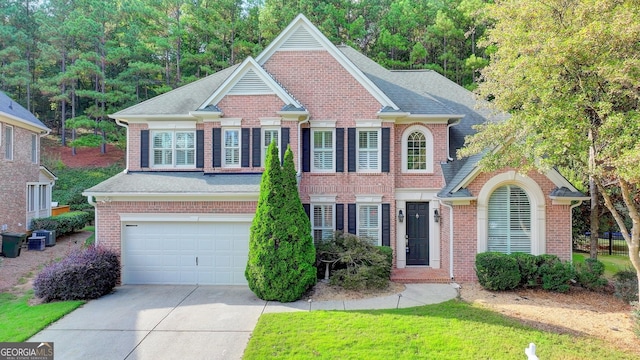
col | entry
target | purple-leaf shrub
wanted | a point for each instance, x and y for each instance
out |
(82, 275)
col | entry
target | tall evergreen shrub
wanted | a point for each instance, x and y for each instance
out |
(281, 252)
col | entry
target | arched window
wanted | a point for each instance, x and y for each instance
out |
(416, 151)
(509, 220)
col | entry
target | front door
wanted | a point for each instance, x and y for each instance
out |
(417, 233)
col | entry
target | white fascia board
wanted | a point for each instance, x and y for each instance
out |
(457, 201)
(143, 119)
(19, 122)
(182, 217)
(207, 116)
(109, 197)
(301, 20)
(407, 194)
(247, 64)
(555, 200)
(428, 119)
(293, 115)
(468, 179)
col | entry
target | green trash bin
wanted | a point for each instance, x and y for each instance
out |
(12, 243)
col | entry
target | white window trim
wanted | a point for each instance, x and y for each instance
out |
(173, 149)
(379, 206)
(333, 149)
(224, 148)
(312, 214)
(429, 145)
(536, 201)
(357, 145)
(264, 145)
(34, 148)
(13, 137)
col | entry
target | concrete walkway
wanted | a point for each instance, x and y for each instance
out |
(191, 322)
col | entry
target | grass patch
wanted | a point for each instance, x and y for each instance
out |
(91, 239)
(612, 263)
(450, 330)
(19, 321)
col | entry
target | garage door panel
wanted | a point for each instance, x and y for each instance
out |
(166, 253)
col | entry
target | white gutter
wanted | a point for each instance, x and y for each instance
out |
(450, 237)
(299, 174)
(126, 167)
(449, 138)
(95, 219)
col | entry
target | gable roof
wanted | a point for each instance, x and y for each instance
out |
(301, 34)
(16, 112)
(249, 78)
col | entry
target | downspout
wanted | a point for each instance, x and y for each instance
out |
(450, 238)
(95, 218)
(299, 174)
(449, 158)
(126, 168)
(571, 224)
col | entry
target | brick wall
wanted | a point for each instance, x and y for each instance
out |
(14, 176)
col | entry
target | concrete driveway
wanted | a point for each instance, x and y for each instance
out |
(150, 322)
(158, 322)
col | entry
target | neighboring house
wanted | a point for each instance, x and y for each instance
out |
(25, 186)
(375, 153)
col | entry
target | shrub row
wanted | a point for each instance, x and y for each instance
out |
(355, 263)
(82, 275)
(498, 271)
(64, 223)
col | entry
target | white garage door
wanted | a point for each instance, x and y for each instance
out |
(184, 253)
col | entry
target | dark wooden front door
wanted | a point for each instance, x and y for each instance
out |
(418, 233)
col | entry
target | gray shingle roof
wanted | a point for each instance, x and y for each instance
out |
(455, 172)
(563, 192)
(182, 100)
(177, 183)
(12, 108)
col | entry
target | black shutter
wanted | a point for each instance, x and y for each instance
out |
(217, 147)
(307, 209)
(339, 150)
(245, 151)
(351, 210)
(144, 148)
(351, 149)
(386, 225)
(257, 147)
(386, 134)
(306, 150)
(284, 141)
(200, 148)
(340, 217)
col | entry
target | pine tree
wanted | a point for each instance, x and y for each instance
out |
(281, 252)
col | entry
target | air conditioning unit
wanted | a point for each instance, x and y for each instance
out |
(49, 235)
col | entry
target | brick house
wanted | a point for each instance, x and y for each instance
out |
(25, 186)
(375, 153)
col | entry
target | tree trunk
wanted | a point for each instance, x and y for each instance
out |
(594, 219)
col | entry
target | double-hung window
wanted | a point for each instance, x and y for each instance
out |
(509, 220)
(8, 142)
(369, 222)
(32, 197)
(368, 150)
(322, 222)
(323, 148)
(231, 150)
(269, 135)
(174, 148)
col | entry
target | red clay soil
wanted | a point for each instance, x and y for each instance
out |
(52, 150)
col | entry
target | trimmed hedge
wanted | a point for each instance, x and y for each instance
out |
(82, 275)
(64, 223)
(498, 271)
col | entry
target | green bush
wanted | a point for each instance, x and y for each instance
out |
(589, 274)
(281, 252)
(497, 271)
(356, 264)
(556, 275)
(72, 182)
(547, 259)
(625, 283)
(64, 223)
(528, 267)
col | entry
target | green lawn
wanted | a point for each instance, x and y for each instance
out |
(451, 330)
(612, 263)
(91, 239)
(19, 321)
